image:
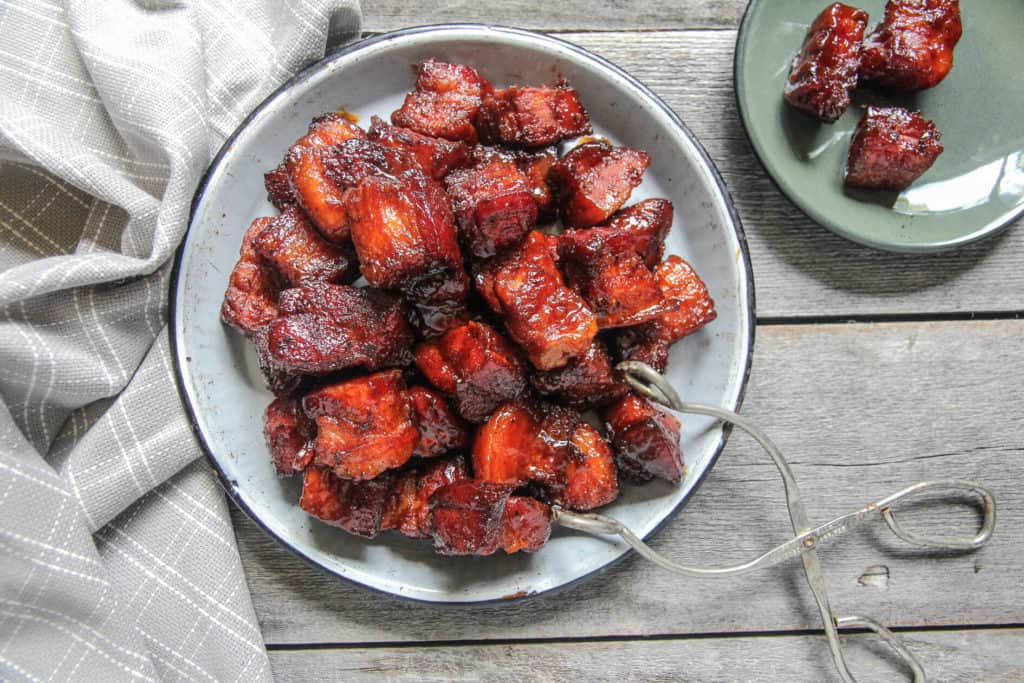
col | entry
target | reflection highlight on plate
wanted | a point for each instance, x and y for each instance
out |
(1001, 179)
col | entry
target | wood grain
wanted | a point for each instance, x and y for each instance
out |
(948, 656)
(860, 410)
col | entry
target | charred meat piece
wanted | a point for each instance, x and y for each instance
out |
(407, 508)
(603, 267)
(532, 116)
(649, 343)
(475, 365)
(591, 479)
(825, 70)
(279, 187)
(595, 179)
(321, 199)
(323, 328)
(434, 156)
(511, 447)
(645, 439)
(250, 301)
(441, 430)
(526, 525)
(647, 223)
(288, 432)
(440, 300)
(891, 148)
(445, 103)
(536, 166)
(550, 321)
(301, 255)
(403, 229)
(364, 426)
(493, 200)
(348, 163)
(355, 506)
(586, 381)
(912, 49)
(467, 517)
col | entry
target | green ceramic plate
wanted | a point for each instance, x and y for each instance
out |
(974, 189)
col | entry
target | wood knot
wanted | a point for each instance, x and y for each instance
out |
(875, 576)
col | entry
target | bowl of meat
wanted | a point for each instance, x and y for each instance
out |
(408, 279)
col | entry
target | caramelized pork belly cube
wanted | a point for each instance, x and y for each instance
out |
(250, 301)
(550, 321)
(403, 229)
(536, 166)
(645, 439)
(441, 430)
(434, 156)
(307, 160)
(526, 525)
(445, 103)
(439, 300)
(279, 187)
(355, 506)
(586, 381)
(591, 478)
(467, 517)
(493, 202)
(825, 70)
(912, 48)
(300, 254)
(288, 432)
(476, 366)
(532, 116)
(522, 443)
(649, 343)
(323, 328)
(595, 179)
(407, 509)
(612, 278)
(647, 223)
(364, 426)
(891, 148)
(348, 163)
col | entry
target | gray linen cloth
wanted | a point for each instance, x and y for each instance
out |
(117, 557)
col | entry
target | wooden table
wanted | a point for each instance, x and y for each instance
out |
(870, 370)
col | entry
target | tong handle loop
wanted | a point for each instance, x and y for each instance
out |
(988, 507)
(890, 639)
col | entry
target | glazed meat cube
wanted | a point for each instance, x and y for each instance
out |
(300, 254)
(364, 426)
(407, 509)
(550, 321)
(445, 102)
(536, 166)
(467, 517)
(403, 229)
(584, 382)
(346, 164)
(493, 202)
(825, 70)
(595, 179)
(591, 479)
(440, 300)
(647, 223)
(288, 434)
(912, 48)
(279, 187)
(650, 343)
(355, 506)
(532, 116)
(475, 365)
(520, 444)
(436, 157)
(250, 301)
(602, 265)
(323, 328)
(440, 429)
(645, 439)
(891, 148)
(321, 199)
(526, 525)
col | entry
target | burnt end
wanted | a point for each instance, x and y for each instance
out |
(346, 165)
(825, 70)
(407, 508)
(250, 301)
(355, 506)
(532, 116)
(645, 439)
(891, 148)
(525, 526)
(595, 179)
(434, 156)
(445, 103)
(279, 187)
(288, 433)
(912, 48)
(441, 431)
(536, 166)
(297, 251)
(647, 224)
(591, 476)
(586, 381)
(467, 517)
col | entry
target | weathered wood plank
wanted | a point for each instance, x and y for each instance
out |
(947, 656)
(860, 410)
(574, 15)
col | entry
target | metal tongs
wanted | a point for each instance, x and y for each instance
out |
(646, 381)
